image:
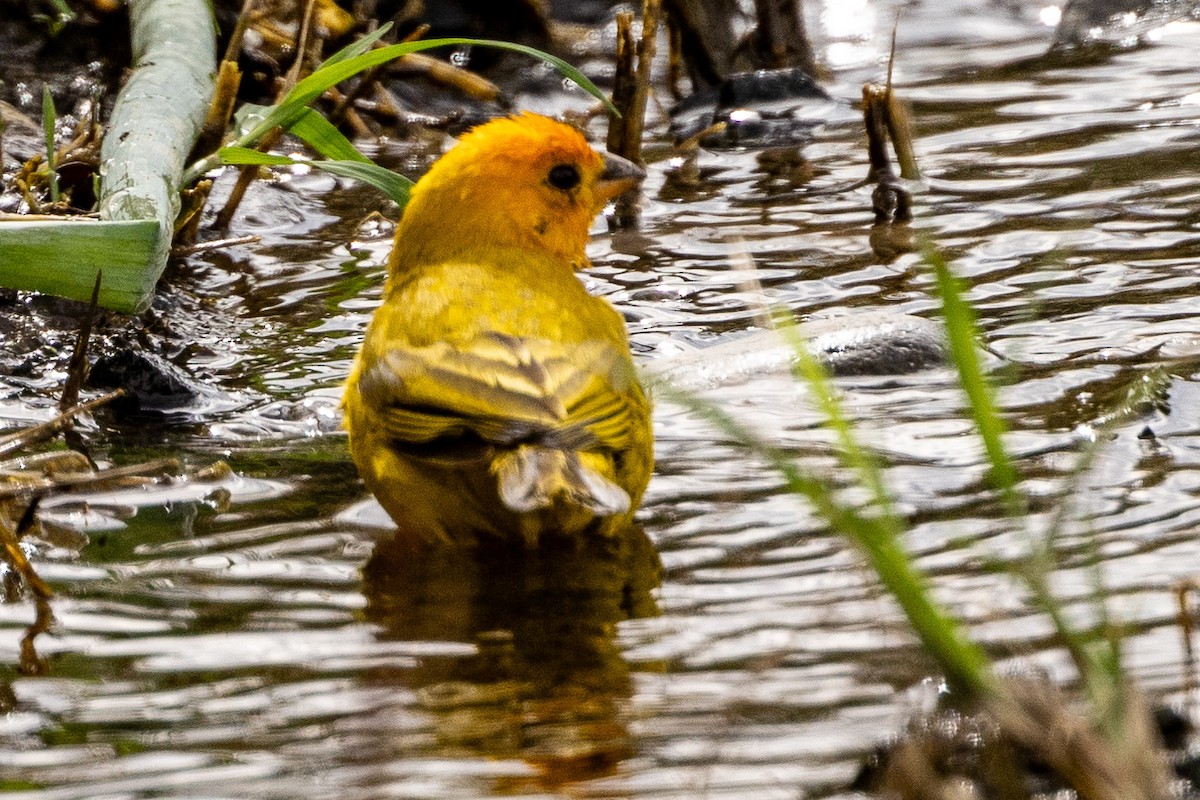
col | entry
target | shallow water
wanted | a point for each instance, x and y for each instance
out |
(220, 640)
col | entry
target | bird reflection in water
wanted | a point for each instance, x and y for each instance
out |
(548, 681)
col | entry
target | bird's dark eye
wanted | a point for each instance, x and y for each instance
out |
(564, 176)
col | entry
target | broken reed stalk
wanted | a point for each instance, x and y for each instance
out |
(234, 48)
(212, 132)
(674, 59)
(900, 132)
(343, 108)
(187, 224)
(471, 84)
(630, 93)
(349, 116)
(623, 81)
(898, 125)
(891, 201)
(886, 119)
(11, 540)
(214, 244)
(246, 176)
(30, 662)
(216, 122)
(651, 13)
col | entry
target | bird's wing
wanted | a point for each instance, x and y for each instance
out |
(504, 391)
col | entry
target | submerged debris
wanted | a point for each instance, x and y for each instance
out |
(766, 107)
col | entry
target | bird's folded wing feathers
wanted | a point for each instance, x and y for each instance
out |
(504, 390)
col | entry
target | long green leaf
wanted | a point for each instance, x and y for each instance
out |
(319, 133)
(323, 136)
(245, 156)
(394, 186)
(358, 46)
(1096, 657)
(61, 258)
(311, 87)
(342, 66)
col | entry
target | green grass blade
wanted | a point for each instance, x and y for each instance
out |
(245, 156)
(1095, 653)
(962, 331)
(967, 668)
(359, 46)
(1097, 659)
(816, 376)
(49, 119)
(394, 186)
(311, 87)
(323, 136)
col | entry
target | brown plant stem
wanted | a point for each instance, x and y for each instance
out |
(630, 94)
(248, 174)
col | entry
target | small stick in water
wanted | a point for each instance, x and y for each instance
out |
(891, 200)
(77, 369)
(10, 542)
(46, 430)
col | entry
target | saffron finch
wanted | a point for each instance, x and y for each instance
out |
(493, 396)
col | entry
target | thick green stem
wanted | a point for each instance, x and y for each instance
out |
(157, 117)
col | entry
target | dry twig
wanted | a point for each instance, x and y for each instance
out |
(39, 433)
(630, 93)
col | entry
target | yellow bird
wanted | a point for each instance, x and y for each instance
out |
(493, 396)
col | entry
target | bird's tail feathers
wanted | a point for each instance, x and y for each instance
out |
(531, 477)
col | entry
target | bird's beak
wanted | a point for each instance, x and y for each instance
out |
(618, 177)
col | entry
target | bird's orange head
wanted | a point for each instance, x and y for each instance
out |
(524, 182)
